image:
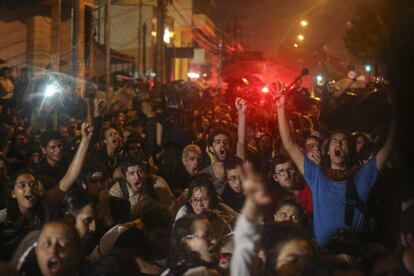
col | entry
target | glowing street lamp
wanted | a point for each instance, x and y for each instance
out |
(304, 23)
(319, 80)
(301, 37)
(265, 90)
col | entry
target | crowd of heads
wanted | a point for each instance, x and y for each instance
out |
(163, 182)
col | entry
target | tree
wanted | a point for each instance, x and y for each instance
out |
(366, 36)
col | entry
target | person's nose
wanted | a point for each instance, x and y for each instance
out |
(53, 249)
(92, 226)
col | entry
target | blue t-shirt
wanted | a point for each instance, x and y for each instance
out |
(329, 198)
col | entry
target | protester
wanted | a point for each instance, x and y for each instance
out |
(219, 143)
(329, 207)
(194, 184)
(56, 252)
(27, 209)
(138, 186)
(191, 248)
(290, 183)
(233, 192)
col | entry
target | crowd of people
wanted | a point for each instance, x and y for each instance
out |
(195, 182)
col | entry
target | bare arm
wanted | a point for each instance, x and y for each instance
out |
(241, 106)
(159, 134)
(385, 152)
(291, 147)
(246, 233)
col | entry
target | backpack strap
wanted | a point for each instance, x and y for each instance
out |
(352, 200)
(124, 189)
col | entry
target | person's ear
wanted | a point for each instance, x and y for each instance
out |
(210, 149)
(13, 193)
(43, 150)
(275, 177)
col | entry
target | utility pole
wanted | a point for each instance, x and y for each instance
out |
(107, 47)
(99, 21)
(55, 41)
(144, 48)
(78, 45)
(159, 47)
(139, 38)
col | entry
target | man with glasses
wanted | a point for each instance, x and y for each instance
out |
(290, 183)
(233, 193)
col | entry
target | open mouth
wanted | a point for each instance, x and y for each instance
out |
(54, 265)
(222, 151)
(338, 153)
(29, 197)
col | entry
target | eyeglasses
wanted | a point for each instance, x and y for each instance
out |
(205, 201)
(284, 172)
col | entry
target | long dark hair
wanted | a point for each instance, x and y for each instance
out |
(350, 158)
(179, 251)
(199, 181)
(13, 211)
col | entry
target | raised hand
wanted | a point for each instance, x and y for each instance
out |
(255, 190)
(98, 107)
(241, 105)
(87, 131)
(279, 96)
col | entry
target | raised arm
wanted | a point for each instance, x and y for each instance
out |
(288, 143)
(241, 106)
(159, 133)
(53, 196)
(246, 233)
(97, 120)
(385, 152)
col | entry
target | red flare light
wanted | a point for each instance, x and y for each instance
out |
(265, 89)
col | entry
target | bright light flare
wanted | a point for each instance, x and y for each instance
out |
(368, 68)
(319, 80)
(193, 75)
(245, 81)
(265, 90)
(52, 89)
(167, 35)
(301, 37)
(295, 45)
(304, 23)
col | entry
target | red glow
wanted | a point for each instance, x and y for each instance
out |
(265, 89)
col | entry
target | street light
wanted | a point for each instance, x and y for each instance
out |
(301, 37)
(304, 23)
(319, 80)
